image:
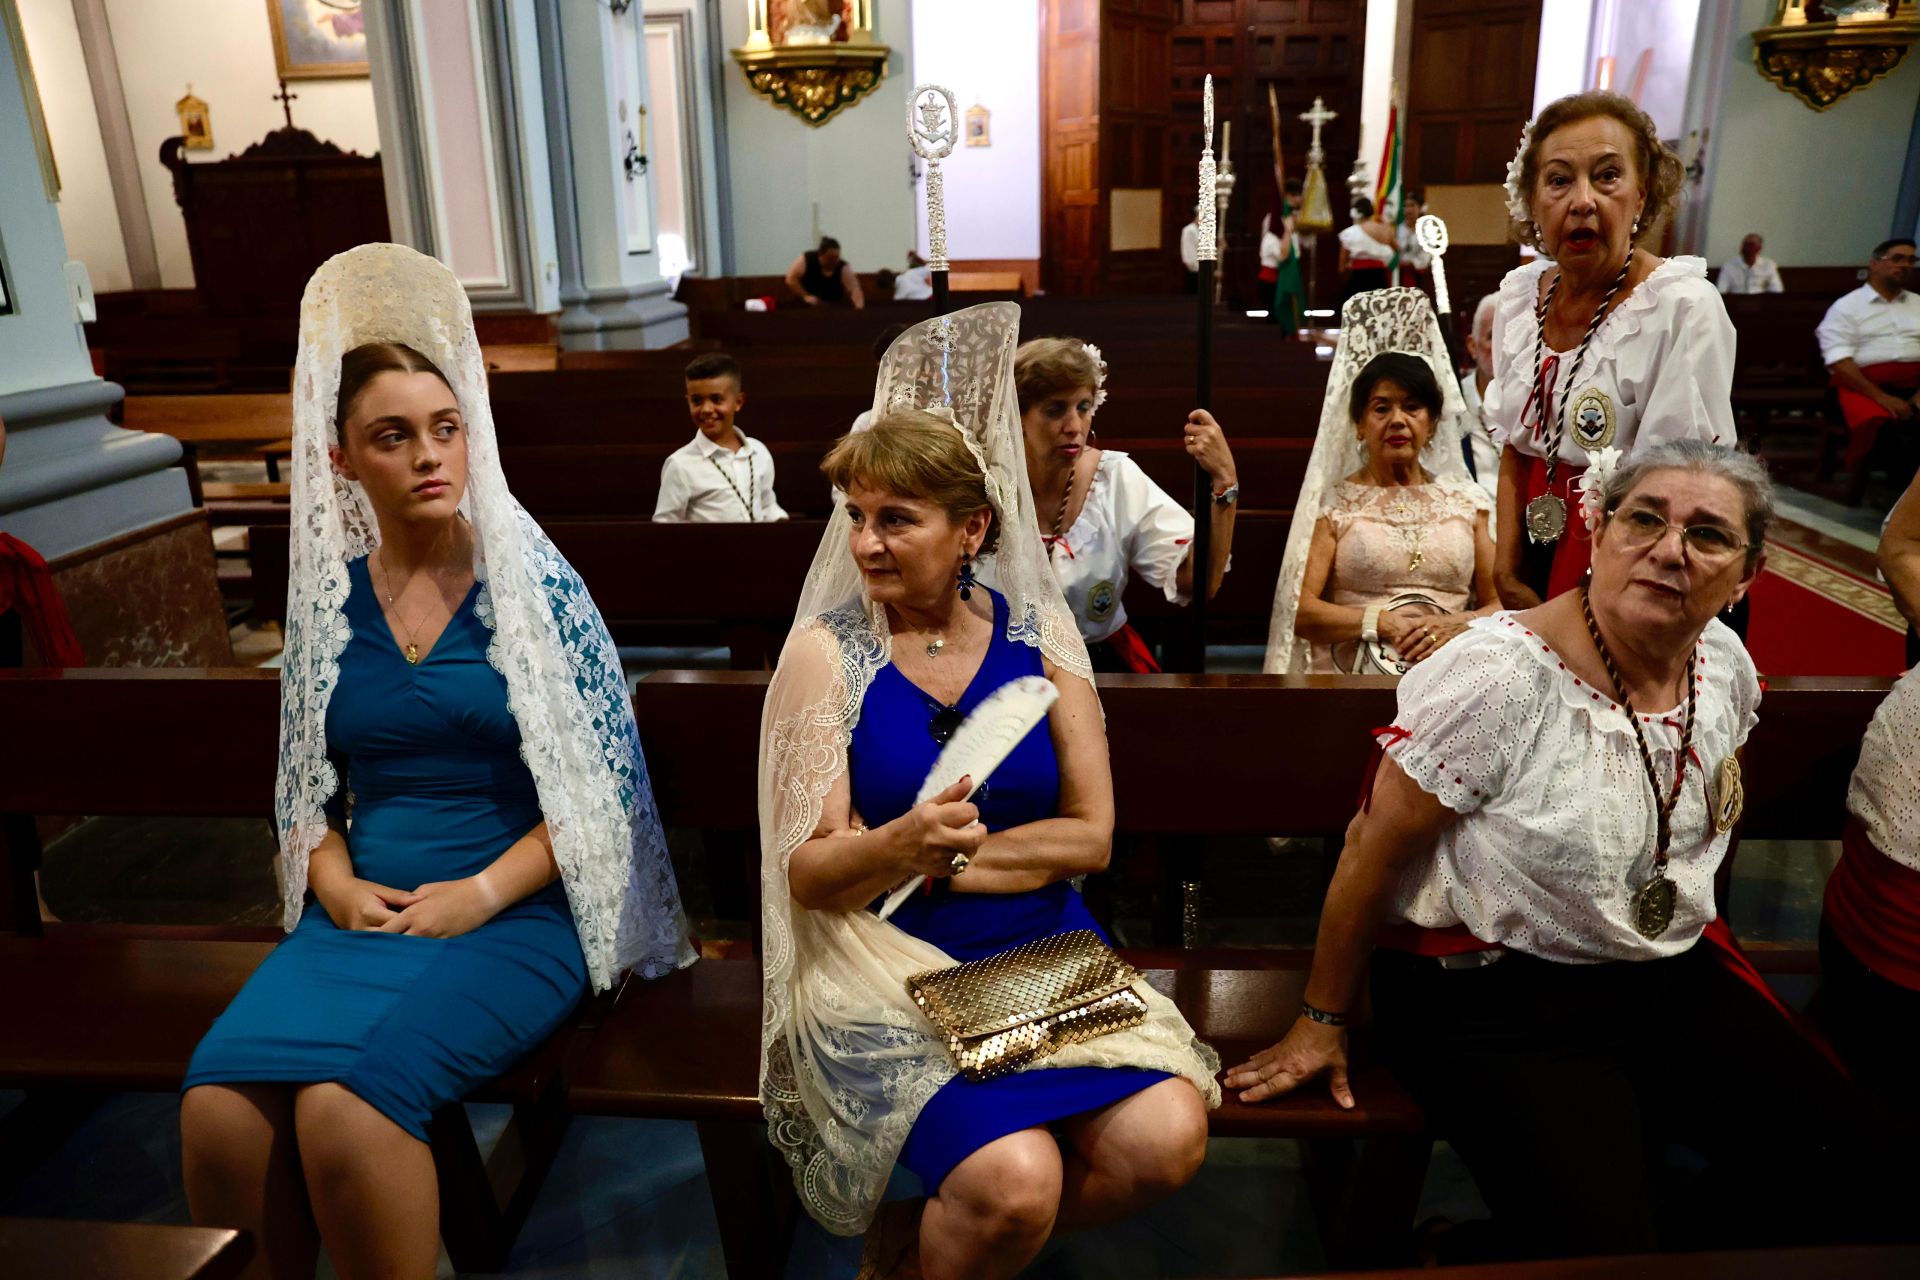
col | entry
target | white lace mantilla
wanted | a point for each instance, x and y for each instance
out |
(565, 686)
(847, 1059)
(1371, 323)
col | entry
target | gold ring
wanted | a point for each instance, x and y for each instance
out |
(960, 863)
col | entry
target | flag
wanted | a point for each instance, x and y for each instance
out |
(1387, 197)
(1290, 291)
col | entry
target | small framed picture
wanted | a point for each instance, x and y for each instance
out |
(196, 124)
(318, 39)
(979, 126)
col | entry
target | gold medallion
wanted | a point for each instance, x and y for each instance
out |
(1101, 601)
(1591, 419)
(1653, 906)
(1729, 795)
(413, 654)
(1547, 518)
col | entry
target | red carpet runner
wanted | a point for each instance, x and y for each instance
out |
(1813, 618)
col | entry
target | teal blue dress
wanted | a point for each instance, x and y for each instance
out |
(438, 791)
(894, 745)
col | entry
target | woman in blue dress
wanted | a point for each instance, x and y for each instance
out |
(447, 689)
(897, 642)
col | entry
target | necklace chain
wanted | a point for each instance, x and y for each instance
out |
(413, 632)
(1060, 516)
(1663, 809)
(1558, 428)
(752, 486)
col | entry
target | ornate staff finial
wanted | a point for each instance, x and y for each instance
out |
(932, 129)
(1431, 232)
(1209, 192)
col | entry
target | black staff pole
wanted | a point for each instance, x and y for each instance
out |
(1203, 383)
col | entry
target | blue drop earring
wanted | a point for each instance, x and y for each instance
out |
(967, 581)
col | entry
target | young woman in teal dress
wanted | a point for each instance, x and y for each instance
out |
(467, 839)
(896, 642)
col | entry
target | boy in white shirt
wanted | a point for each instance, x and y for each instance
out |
(720, 476)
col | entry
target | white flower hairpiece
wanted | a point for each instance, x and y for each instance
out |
(1518, 207)
(1099, 375)
(1601, 464)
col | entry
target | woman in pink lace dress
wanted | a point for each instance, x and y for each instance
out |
(1401, 560)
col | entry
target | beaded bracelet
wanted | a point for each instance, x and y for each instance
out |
(1322, 1016)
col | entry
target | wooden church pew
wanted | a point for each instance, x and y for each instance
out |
(105, 1008)
(121, 1250)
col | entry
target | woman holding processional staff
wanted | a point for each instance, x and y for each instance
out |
(467, 837)
(1531, 884)
(1598, 344)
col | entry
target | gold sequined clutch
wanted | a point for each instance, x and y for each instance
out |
(1017, 1006)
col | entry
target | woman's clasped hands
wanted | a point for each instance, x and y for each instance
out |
(442, 909)
(1415, 636)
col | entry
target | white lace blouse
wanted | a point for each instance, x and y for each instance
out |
(1127, 525)
(1557, 821)
(1885, 792)
(1660, 367)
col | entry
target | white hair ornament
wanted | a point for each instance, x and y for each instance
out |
(1601, 464)
(1099, 375)
(1518, 206)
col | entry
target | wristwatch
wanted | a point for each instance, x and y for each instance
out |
(1228, 496)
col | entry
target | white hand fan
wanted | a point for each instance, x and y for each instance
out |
(983, 740)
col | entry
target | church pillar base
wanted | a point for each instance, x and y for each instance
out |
(623, 319)
(147, 599)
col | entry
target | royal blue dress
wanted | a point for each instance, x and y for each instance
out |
(439, 792)
(891, 753)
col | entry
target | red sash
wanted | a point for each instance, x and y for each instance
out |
(1873, 905)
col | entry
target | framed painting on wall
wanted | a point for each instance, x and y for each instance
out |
(318, 39)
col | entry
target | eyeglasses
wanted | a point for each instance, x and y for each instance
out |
(1708, 543)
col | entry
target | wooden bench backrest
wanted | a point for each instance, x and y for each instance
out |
(265, 415)
(1191, 754)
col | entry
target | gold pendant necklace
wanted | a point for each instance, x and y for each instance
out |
(1653, 901)
(412, 649)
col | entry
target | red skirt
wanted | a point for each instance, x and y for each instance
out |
(1873, 907)
(1573, 553)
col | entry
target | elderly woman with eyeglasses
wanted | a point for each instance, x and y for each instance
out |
(1532, 879)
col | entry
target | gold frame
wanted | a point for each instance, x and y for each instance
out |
(1821, 63)
(312, 70)
(189, 108)
(36, 115)
(982, 136)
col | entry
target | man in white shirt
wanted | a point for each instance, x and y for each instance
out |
(1748, 272)
(1870, 340)
(915, 284)
(720, 476)
(1483, 455)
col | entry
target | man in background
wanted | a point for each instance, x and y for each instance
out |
(1747, 271)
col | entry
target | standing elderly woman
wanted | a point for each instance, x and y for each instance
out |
(1537, 863)
(1389, 556)
(1599, 344)
(1102, 518)
(448, 688)
(897, 642)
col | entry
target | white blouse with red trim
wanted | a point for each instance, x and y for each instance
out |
(1127, 525)
(1557, 821)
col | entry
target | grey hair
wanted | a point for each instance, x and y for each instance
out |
(1736, 466)
(1484, 310)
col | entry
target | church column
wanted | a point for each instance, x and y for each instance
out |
(611, 292)
(108, 508)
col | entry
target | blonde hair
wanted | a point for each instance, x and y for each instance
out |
(1662, 175)
(914, 452)
(1049, 365)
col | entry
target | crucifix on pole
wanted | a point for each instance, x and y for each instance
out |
(286, 101)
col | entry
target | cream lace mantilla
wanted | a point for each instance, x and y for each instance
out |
(1371, 323)
(565, 687)
(847, 1060)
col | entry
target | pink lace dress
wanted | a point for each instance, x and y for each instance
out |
(1395, 541)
